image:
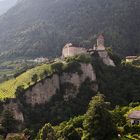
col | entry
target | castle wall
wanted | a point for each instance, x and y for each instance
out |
(71, 51)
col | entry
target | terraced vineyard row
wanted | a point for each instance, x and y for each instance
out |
(8, 88)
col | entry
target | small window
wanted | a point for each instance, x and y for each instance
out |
(136, 122)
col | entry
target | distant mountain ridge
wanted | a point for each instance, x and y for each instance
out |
(41, 27)
(5, 5)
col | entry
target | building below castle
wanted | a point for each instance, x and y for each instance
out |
(131, 58)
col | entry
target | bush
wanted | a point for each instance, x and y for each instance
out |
(129, 129)
(83, 58)
(72, 67)
(9, 123)
(46, 133)
(57, 67)
(98, 121)
(35, 78)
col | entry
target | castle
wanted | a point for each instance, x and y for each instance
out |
(72, 50)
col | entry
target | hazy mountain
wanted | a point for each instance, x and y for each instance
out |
(41, 27)
(5, 5)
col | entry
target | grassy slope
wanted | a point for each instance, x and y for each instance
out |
(8, 88)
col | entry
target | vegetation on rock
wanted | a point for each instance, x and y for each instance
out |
(96, 124)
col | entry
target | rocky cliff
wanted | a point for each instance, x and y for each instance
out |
(14, 107)
(105, 58)
(42, 92)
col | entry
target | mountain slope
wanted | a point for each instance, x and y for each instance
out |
(6, 4)
(48, 24)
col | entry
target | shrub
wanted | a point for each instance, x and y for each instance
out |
(35, 78)
(57, 67)
(98, 121)
(46, 133)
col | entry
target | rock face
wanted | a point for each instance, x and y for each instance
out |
(42, 92)
(14, 108)
(106, 59)
(76, 80)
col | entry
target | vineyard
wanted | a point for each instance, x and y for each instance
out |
(31, 76)
(8, 88)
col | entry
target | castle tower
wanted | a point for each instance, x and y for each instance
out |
(100, 43)
(100, 40)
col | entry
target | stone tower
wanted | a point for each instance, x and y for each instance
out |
(100, 41)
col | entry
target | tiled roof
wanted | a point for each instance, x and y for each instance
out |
(131, 57)
(134, 115)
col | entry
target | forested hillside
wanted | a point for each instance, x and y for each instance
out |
(119, 86)
(41, 27)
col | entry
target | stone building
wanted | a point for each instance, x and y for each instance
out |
(100, 44)
(71, 50)
(134, 117)
(131, 58)
(102, 52)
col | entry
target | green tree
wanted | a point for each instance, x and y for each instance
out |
(57, 67)
(2, 131)
(98, 122)
(1, 137)
(69, 133)
(46, 133)
(19, 91)
(8, 122)
(29, 133)
(35, 78)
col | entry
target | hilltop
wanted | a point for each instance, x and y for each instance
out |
(35, 28)
(55, 92)
(75, 54)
